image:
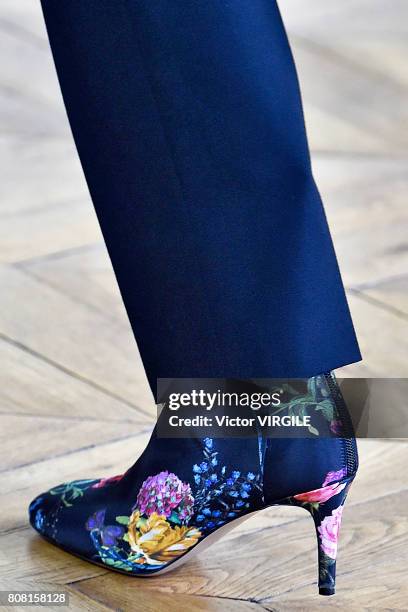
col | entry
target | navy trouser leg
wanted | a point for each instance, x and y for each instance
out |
(188, 122)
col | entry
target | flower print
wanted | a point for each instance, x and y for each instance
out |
(156, 540)
(197, 479)
(234, 493)
(329, 531)
(230, 482)
(204, 466)
(214, 461)
(320, 495)
(236, 474)
(206, 511)
(164, 493)
(333, 476)
(250, 476)
(208, 482)
(327, 490)
(107, 481)
(208, 443)
(70, 491)
(109, 534)
(216, 513)
(196, 469)
(214, 477)
(244, 494)
(39, 520)
(336, 426)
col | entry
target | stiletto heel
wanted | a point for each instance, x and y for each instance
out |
(326, 507)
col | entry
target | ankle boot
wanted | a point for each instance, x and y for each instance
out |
(182, 491)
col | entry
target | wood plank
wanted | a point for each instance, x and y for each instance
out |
(365, 201)
(392, 293)
(85, 275)
(38, 174)
(383, 340)
(52, 437)
(44, 204)
(73, 336)
(19, 486)
(29, 385)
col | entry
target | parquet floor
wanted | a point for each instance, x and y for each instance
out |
(73, 397)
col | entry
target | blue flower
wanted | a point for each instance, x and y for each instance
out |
(216, 513)
(208, 482)
(197, 479)
(233, 493)
(236, 474)
(214, 461)
(39, 520)
(250, 476)
(231, 515)
(199, 518)
(239, 503)
(196, 469)
(204, 466)
(246, 486)
(230, 482)
(219, 523)
(210, 524)
(214, 477)
(206, 511)
(208, 442)
(244, 494)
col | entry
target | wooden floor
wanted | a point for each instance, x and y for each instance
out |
(73, 396)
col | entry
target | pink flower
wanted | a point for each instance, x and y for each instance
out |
(329, 532)
(163, 494)
(333, 476)
(320, 495)
(106, 481)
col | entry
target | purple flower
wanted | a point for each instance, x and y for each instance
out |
(165, 493)
(334, 476)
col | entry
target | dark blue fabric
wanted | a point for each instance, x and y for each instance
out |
(188, 121)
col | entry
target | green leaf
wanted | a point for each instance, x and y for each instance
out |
(122, 520)
(174, 518)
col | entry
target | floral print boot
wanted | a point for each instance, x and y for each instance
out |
(180, 491)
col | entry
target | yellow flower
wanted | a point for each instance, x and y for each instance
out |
(157, 540)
